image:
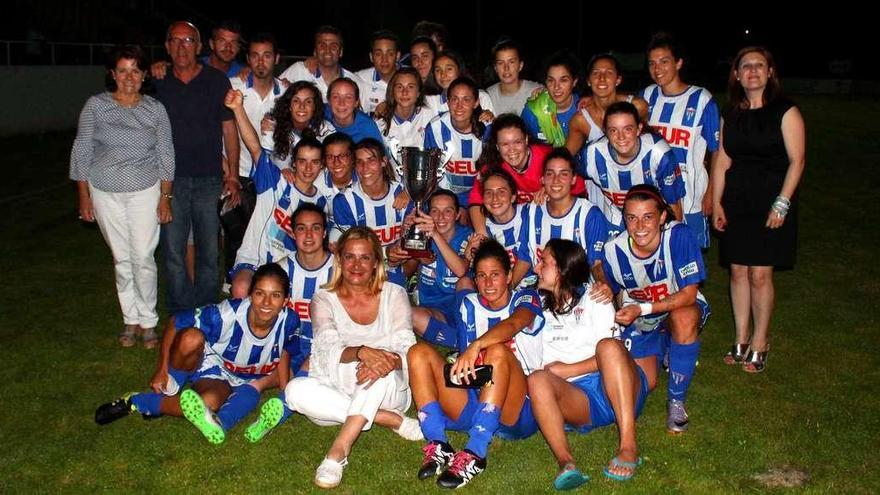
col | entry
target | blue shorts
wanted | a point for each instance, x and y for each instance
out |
(524, 427)
(699, 226)
(601, 412)
(642, 337)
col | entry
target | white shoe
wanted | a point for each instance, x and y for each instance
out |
(329, 473)
(409, 429)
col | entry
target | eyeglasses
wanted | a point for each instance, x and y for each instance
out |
(338, 158)
(188, 41)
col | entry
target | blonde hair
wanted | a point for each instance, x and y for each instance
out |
(355, 234)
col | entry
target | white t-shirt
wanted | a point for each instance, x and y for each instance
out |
(511, 103)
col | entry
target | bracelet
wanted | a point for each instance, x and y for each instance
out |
(781, 205)
(646, 308)
(167, 195)
(358, 352)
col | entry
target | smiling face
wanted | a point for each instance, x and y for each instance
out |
(339, 162)
(498, 198)
(558, 179)
(603, 78)
(492, 282)
(302, 108)
(623, 134)
(328, 49)
(753, 71)
(663, 67)
(343, 102)
(560, 84)
(359, 264)
(128, 77)
(309, 232)
(267, 300)
(462, 103)
(369, 167)
(445, 71)
(508, 65)
(643, 220)
(444, 213)
(513, 146)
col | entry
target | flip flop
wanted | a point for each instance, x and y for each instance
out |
(570, 479)
(624, 464)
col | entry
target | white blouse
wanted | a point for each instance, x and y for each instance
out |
(334, 330)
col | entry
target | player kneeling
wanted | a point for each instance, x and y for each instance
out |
(229, 352)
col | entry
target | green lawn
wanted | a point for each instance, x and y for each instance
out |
(814, 410)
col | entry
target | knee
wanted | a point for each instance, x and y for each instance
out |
(241, 284)
(188, 341)
(739, 273)
(608, 348)
(297, 389)
(760, 277)
(420, 354)
(496, 354)
(538, 381)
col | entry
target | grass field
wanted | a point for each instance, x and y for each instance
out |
(814, 411)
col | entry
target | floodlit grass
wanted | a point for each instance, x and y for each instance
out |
(815, 409)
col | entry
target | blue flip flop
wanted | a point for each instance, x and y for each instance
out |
(570, 479)
(625, 464)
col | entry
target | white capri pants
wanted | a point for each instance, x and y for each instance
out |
(326, 405)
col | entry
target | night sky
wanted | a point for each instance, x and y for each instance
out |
(825, 44)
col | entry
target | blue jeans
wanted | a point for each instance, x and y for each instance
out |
(194, 205)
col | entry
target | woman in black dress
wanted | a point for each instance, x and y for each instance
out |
(755, 179)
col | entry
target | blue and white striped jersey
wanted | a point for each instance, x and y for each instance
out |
(475, 319)
(583, 224)
(654, 164)
(461, 169)
(690, 123)
(303, 284)
(229, 337)
(269, 234)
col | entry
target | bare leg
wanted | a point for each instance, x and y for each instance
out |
(241, 284)
(428, 384)
(186, 354)
(554, 403)
(349, 433)
(509, 386)
(621, 383)
(421, 316)
(741, 302)
(763, 300)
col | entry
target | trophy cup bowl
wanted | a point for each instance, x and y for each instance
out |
(421, 171)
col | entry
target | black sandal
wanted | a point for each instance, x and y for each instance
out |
(755, 361)
(736, 354)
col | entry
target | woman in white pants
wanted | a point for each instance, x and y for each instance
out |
(362, 328)
(123, 162)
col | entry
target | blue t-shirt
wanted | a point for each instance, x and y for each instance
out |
(362, 127)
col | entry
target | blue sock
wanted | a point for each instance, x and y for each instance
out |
(288, 412)
(433, 422)
(440, 333)
(243, 400)
(485, 423)
(147, 403)
(682, 361)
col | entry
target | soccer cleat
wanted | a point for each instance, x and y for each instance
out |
(462, 469)
(111, 411)
(437, 456)
(270, 416)
(197, 413)
(329, 473)
(677, 417)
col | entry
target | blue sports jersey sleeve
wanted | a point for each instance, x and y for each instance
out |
(686, 258)
(710, 122)
(265, 174)
(669, 178)
(595, 235)
(522, 250)
(207, 319)
(606, 268)
(529, 299)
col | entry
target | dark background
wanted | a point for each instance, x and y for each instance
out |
(806, 43)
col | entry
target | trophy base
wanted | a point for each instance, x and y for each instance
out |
(419, 253)
(417, 248)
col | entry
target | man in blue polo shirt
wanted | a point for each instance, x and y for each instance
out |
(200, 126)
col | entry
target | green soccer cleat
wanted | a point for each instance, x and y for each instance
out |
(197, 413)
(270, 417)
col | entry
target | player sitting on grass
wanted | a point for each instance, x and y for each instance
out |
(229, 352)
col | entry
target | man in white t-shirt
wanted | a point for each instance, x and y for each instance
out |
(328, 51)
(384, 55)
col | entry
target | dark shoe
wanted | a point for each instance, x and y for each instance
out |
(437, 456)
(464, 467)
(111, 411)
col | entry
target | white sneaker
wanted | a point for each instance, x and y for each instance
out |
(329, 473)
(410, 430)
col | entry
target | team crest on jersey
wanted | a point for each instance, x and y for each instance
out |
(578, 312)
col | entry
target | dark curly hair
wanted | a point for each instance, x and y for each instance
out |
(284, 119)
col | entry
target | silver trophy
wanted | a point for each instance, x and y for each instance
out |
(420, 170)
